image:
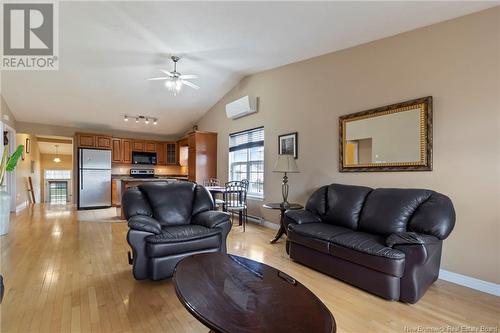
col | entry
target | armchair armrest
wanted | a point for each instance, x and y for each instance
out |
(301, 217)
(410, 238)
(144, 223)
(211, 218)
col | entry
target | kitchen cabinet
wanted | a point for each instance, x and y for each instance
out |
(87, 140)
(171, 151)
(117, 150)
(150, 146)
(127, 151)
(121, 151)
(103, 142)
(202, 155)
(160, 154)
(138, 145)
(115, 193)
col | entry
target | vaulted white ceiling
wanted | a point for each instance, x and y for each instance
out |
(109, 49)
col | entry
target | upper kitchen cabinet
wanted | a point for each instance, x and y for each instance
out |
(121, 150)
(138, 145)
(202, 155)
(150, 146)
(160, 153)
(172, 158)
(127, 151)
(86, 140)
(117, 150)
(103, 141)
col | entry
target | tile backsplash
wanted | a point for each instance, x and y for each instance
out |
(159, 170)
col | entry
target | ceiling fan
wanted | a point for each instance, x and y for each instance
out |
(175, 80)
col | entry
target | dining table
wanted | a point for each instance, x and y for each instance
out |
(217, 190)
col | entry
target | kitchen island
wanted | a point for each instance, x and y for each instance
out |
(120, 183)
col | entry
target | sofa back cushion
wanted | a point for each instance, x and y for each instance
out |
(344, 204)
(388, 210)
(171, 203)
(316, 203)
(134, 202)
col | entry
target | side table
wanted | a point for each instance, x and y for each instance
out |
(283, 209)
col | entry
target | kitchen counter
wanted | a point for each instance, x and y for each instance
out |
(157, 178)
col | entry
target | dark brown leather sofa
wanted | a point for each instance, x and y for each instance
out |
(168, 222)
(386, 241)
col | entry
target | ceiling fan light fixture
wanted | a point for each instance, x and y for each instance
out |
(125, 118)
(146, 121)
(155, 122)
(137, 119)
(174, 81)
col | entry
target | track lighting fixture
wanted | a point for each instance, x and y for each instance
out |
(146, 119)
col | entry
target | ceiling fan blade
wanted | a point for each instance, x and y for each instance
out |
(167, 73)
(190, 84)
(159, 78)
(189, 76)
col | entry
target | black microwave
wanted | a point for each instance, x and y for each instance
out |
(143, 158)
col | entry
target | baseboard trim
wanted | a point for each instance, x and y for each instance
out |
(21, 206)
(470, 282)
(262, 222)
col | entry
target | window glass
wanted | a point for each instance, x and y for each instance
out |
(246, 159)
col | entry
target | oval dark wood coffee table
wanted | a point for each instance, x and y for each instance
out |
(233, 294)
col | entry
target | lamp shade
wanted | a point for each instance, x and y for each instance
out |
(285, 163)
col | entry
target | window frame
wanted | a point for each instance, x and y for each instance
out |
(248, 162)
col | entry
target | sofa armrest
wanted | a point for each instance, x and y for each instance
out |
(410, 238)
(301, 217)
(144, 223)
(215, 219)
(211, 218)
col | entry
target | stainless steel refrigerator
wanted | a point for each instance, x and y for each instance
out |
(94, 178)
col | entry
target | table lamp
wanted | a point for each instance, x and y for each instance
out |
(285, 164)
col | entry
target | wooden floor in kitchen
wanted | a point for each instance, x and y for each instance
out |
(66, 272)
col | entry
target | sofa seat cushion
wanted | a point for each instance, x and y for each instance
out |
(315, 235)
(181, 239)
(368, 250)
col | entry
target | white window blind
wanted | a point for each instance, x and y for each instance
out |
(246, 159)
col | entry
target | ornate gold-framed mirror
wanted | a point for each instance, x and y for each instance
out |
(396, 137)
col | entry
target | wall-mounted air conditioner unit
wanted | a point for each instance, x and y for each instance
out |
(241, 107)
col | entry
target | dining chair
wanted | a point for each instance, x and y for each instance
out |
(211, 182)
(245, 183)
(219, 203)
(235, 200)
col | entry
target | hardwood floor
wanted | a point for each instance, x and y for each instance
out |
(63, 275)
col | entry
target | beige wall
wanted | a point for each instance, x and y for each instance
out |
(457, 62)
(23, 171)
(47, 163)
(6, 113)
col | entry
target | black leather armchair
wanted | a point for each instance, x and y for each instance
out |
(386, 241)
(168, 222)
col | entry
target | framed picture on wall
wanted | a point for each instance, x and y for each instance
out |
(28, 146)
(287, 144)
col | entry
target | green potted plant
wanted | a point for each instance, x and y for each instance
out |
(8, 164)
